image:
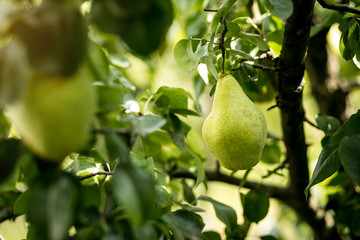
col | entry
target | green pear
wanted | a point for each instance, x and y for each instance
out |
(54, 114)
(235, 130)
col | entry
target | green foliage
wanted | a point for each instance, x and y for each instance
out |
(142, 26)
(256, 205)
(279, 8)
(185, 56)
(10, 154)
(225, 213)
(139, 175)
(349, 42)
(340, 148)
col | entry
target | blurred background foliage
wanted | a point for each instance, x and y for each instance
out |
(143, 174)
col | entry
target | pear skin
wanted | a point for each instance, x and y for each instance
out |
(54, 115)
(235, 130)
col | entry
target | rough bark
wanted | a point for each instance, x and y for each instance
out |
(292, 62)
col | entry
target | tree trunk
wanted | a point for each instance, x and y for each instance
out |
(292, 63)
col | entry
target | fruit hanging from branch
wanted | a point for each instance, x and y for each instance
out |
(235, 131)
(54, 115)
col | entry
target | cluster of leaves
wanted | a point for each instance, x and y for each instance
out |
(340, 155)
(244, 46)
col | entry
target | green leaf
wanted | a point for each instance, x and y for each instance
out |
(90, 196)
(199, 86)
(144, 125)
(350, 126)
(268, 237)
(146, 231)
(196, 25)
(330, 19)
(224, 213)
(350, 38)
(185, 112)
(271, 153)
(202, 51)
(153, 143)
(208, 60)
(256, 205)
(61, 206)
(341, 179)
(110, 96)
(191, 208)
(199, 166)
(188, 193)
(22, 203)
(217, 19)
(98, 62)
(184, 55)
(119, 61)
(162, 196)
(233, 29)
(52, 206)
(210, 235)
(254, 39)
(349, 152)
(243, 54)
(147, 164)
(327, 123)
(327, 164)
(135, 191)
(10, 154)
(172, 98)
(144, 33)
(246, 73)
(279, 8)
(187, 223)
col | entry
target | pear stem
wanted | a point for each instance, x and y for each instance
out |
(222, 44)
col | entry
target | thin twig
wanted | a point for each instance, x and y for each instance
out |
(280, 167)
(210, 10)
(222, 44)
(272, 107)
(270, 191)
(311, 123)
(261, 67)
(267, 68)
(94, 174)
(338, 7)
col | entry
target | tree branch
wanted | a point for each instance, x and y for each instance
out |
(222, 44)
(210, 10)
(270, 191)
(283, 165)
(338, 7)
(292, 61)
(266, 68)
(94, 174)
